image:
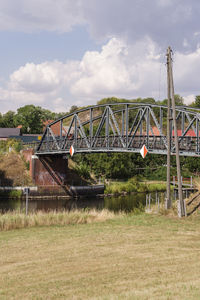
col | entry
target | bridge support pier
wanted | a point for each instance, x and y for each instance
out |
(49, 170)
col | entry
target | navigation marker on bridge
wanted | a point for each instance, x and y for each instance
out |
(143, 151)
(71, 150)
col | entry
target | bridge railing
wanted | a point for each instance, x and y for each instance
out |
(102, 143)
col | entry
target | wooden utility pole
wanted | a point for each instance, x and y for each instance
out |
(168, 199)
(171, 92)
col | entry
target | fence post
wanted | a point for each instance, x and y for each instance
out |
(146, 200)
(149, 201)
(191, 181)
(185, 208)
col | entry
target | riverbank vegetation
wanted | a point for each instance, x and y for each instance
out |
(13, 170)
(123, 166)
(134, 184)
(132, 257)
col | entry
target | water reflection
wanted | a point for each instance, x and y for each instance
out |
(116, 203)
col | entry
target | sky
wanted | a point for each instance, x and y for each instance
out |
(56, 54)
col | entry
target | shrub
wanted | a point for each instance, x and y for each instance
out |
(83, 170)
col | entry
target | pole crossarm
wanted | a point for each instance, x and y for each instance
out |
(121, 127)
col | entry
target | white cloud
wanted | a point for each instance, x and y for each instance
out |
(38, 78)
(166, 22)
(187, 72)
(36, 15)
(189, 99)
(120, 69)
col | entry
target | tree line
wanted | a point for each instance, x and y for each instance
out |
(113, 165)
(32, 117)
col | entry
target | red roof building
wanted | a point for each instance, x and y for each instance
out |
(56, 128)
(190, 133)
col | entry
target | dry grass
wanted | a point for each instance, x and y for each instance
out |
(13, 170)
(134, 257)
(16, 220)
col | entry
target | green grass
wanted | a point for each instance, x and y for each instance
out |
(131, 257)
(132, 185)
(11, 193)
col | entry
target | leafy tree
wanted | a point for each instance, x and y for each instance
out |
(30, 117)
(73, 108)
(197, 101)
(1, 120)
(178, 99)
(8, 120)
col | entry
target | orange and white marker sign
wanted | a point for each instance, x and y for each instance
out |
(71, 150)
(143, 151)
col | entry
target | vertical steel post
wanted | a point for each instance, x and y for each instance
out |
(127, 125)
(181, 203)
(182, 122)
(75, 131)
(141, 123)
(107, 126)
(161, 118)
(147, 127)
(122, 123)
(61, 129)
(197, 139)
(91, 126)
(47, 144)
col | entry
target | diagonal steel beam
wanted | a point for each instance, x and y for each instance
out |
(185, 132)
(189, 119)
(146, 119)
(54, 138)
(158, 126)
(68, 132)
(82, 131)
(99, 127)
(117, 127)
(135, 121)
(136, 129)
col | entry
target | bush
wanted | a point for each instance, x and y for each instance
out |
(83, 171)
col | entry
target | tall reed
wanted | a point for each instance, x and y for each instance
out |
(16, 220)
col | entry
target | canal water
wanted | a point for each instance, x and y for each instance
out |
(115, 203)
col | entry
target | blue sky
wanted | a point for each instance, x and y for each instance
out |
(18, 48)
(74, 52)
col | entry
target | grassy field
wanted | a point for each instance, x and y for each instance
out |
(129, 257)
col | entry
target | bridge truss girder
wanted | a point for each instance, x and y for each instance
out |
(121, 127)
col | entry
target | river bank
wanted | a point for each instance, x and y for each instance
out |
(110, 189)
(134, 185)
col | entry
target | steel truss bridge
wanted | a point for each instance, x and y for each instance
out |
(121, 127)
